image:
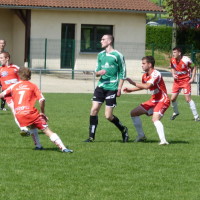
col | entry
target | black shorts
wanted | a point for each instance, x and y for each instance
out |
(109, 96)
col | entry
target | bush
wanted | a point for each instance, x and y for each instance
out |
(159, 37)
(188, 37)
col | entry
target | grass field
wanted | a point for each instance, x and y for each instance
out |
(106, 169)
(162, 58)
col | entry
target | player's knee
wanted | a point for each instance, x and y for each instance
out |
(108, 117)
(133, 114)
(93, 112)
(173, 99)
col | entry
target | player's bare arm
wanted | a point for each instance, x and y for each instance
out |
(129, 90)
(1, 95)
(121, 82)
(42, 106)
(42, 109)
(174, 74)
(141, 86)
(101, 72)
(194, 69)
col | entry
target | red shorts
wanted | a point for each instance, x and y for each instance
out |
(184, 84)
(29, 120)
(159, 107)
(40, 123)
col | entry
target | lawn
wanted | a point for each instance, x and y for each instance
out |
(162, 58)
(106, 169)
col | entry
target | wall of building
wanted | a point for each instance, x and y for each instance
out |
(12, 30)
(18, 35)
(6, 22)
(129, 32)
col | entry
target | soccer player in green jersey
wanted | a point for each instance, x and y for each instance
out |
(112, 71)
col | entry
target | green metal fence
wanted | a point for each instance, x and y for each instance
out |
(45, 50)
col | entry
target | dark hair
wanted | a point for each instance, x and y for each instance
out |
(149, 59)
(111, 37)
(24, 73)
(178, 49)
(6, 55)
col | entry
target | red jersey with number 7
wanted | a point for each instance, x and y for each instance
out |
(24, 95)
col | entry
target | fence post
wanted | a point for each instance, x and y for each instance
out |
(40, 79)
(73, 52)
(45, 54)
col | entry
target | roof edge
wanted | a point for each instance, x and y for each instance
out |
(81, 9)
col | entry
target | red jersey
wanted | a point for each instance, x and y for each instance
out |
(8, 75)
(158, 88)
(24, 95)
(182, 68)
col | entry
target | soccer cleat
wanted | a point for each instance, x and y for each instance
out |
(67, 151)
(90, 139)
(4, 109)
(125, 136)
(39, 148)
(163, 143)
(197, 119)
(140, 139)
(24, 133)
(173, 117)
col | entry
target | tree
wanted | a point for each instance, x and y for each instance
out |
(183, 10)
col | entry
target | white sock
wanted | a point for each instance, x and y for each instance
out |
(24, 128)
(175, 107)
(35, 137)
(138, 125)
(160, 130)
(193, 109)
(57, 141)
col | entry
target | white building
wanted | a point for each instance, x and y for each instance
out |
(57, 34)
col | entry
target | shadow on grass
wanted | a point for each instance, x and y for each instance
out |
(178, 142)
(147, 141)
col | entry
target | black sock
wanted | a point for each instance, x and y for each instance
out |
(117, 123)
(93, 126)
(3, 102)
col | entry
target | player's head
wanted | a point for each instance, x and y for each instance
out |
(2, 44)
(177, 52)
(4, 58)
(24, 73)
(149, 60)
(107, 40)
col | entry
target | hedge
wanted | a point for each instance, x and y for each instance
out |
(160, 37)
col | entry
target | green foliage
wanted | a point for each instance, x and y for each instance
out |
(159, 37)
(182, 10)
(106, 169)
(189, 37)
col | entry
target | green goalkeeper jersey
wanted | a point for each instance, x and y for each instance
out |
(115, 67)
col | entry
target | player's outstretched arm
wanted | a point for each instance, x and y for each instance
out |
(101, 72)
(140, 86)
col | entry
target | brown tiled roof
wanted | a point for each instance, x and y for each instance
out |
(124, 5)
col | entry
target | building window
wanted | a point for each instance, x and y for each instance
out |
(91, 36)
